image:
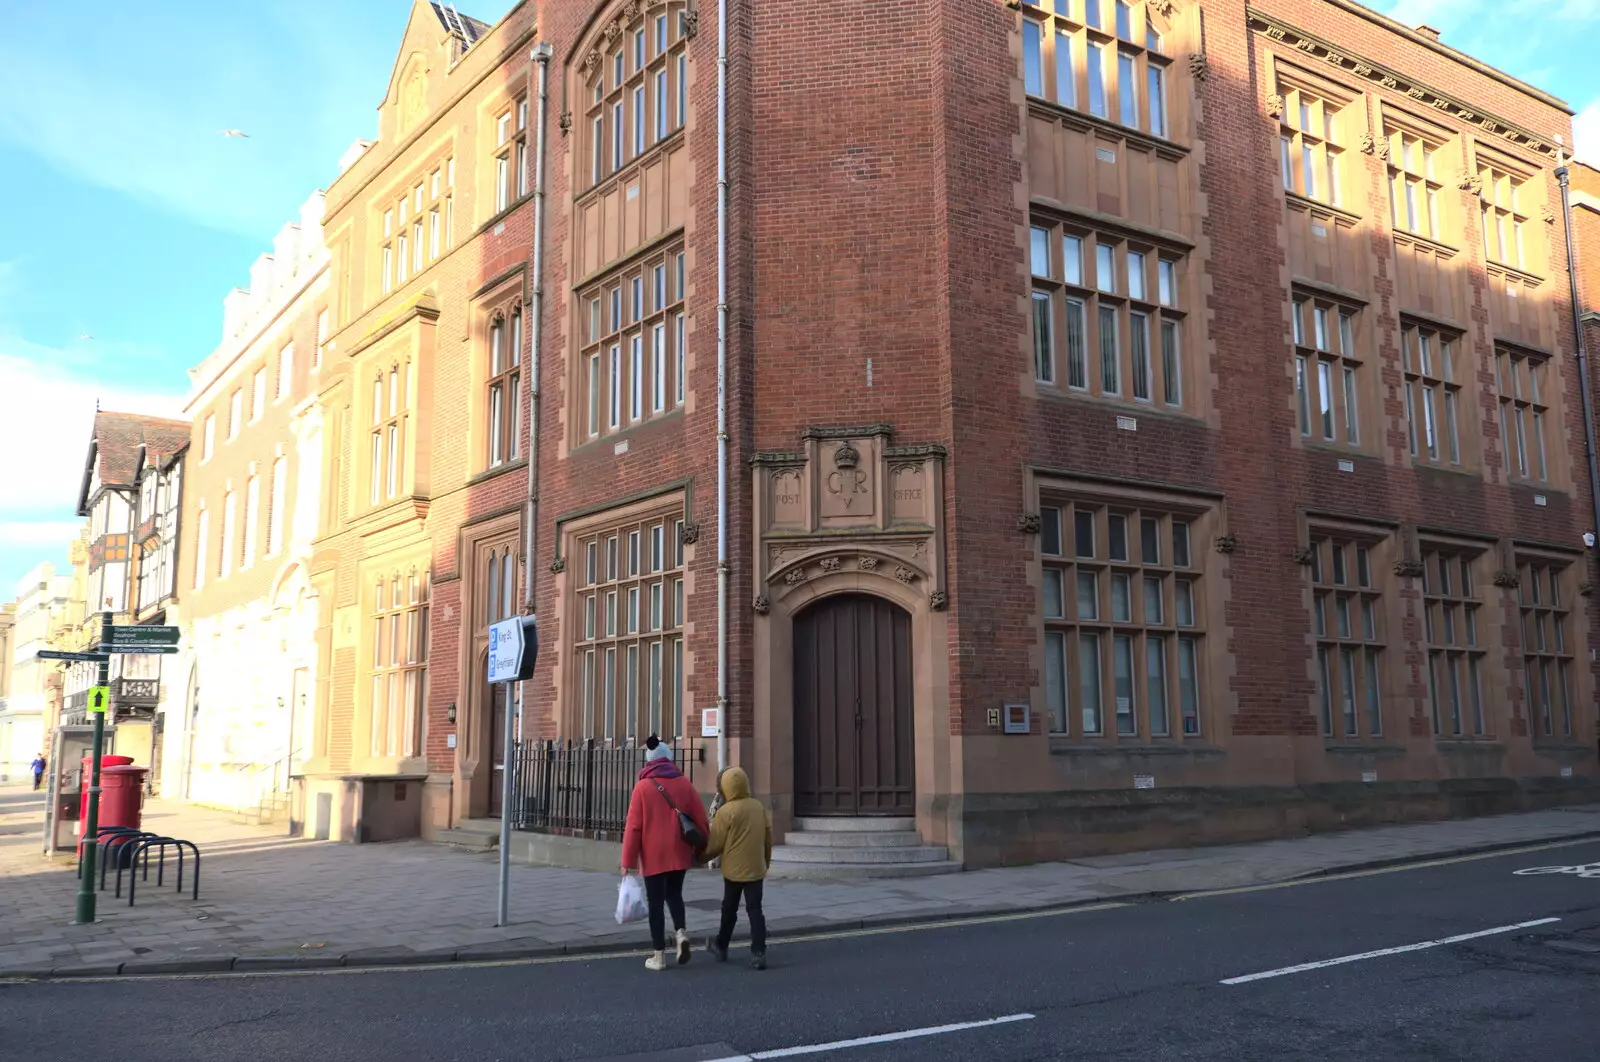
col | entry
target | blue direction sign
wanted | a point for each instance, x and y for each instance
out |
(57, 654)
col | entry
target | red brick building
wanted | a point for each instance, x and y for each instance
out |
(1197, 376)
(1148, 422)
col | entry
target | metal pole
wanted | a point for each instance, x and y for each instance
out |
(91, 851)
(1585, 383)
(722, 384)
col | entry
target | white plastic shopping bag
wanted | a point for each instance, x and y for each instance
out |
(630, 900)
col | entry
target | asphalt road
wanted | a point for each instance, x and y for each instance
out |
(1141, 982)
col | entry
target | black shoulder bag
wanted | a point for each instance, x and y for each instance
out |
(686, 824)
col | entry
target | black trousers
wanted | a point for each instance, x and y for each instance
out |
(751, 891)
(37, 780)
(665, 889)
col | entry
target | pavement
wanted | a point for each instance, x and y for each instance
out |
(268, 901)
(1464, 959)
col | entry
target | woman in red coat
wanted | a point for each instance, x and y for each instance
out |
(653, 844)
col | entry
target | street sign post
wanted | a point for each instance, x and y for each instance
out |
(513, 650)
(91, 829)
(81, 658)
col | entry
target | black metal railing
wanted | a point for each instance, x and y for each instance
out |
(581, 788)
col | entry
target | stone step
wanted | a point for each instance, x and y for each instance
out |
(897, 839)
(862, 824)
(859, 856)
(860, 871)
(477, 840)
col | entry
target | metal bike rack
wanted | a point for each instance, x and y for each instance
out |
(161, 844)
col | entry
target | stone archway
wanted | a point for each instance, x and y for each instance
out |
(854, 708)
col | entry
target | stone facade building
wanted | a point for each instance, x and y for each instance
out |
(42, 599)
(242, 715)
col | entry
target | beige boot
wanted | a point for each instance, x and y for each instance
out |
(657, 961)
(683, 946)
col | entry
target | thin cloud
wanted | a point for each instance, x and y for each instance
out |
(1586, 133)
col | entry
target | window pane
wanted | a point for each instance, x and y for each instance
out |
(1105, 267)
(1351, 432)
(1066, 75)
(1189, 685)
(1325, 397)
(1167, 281)
(1072, 259)
(1150, 540)
(1077, 358)
(1183, 592)
(1128, 89)
(1043, 343)
(1153, 601)
(1050, 531)
(1052, 593)
(1096, 74)
(1121, 599)
(1157, 90)
(1155, 670)
(1374, 702)
(1089, 696)
(1039, 250)
(1110, 366)
(1032, 58)
(1122, 665)
(1083, 523)
(1088, 596)
(1055, 680)
(1171, 366)
(1139, 334)
(1136, 269)
(1325, 692)
(1302, 395)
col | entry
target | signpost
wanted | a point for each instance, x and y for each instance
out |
(119, 641)
(513, 650)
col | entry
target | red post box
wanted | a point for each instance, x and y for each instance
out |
(122, 796)
(88, 781)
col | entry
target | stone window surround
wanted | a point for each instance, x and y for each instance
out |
(594, 163)
(501, 301)
(1459, 630)
(365, 753)
(1312, 350)
(1094, 24)
(1384, 545)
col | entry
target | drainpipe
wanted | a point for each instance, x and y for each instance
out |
(513, 735)
(722, 384)
(1586, 385)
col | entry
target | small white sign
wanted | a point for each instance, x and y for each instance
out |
(1346, 465)
(1128, 423)
(1369, 776)
(710, 722)
(1540, 499)
(1144, 781)
(505, 650)
(449, 741)
(621, 447)
(1566, 772)
(1124, 705)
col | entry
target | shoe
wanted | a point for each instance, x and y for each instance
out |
(716, 951)
(758, 960)
(683, 946)
(657, 961)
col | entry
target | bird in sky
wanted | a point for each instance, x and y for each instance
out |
(85, 335)
(232, 132)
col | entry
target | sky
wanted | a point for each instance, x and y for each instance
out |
(140, 216)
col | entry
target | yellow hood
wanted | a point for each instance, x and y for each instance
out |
(734, 783)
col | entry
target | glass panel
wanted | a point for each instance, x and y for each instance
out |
(1183, 593)
(1189, 685)
(1302, 395)
(1325, 692)
(1319, 619)
(1155, 670)
(1122, 665)
(1089, 695)
(1055, 680)
(1325, 397)
(1043, 342)
(1066, 75)
(1180, 544)
(1039, 250)
(1153, 600)
(1083, 523)
(1139, 328)
(1121, 599)
(1097, 85)
(1347, 691)
(1105, 267)
(1032, 58)
(1050, 531)
(1077, 361)
(1072, 259)
(1088, 595)
(1136, 271)
(1352, 434)
(1337, 550)
(1117, 536)
(1374, 701)
(1341, 610)
(1150, 540)
(1156, 88)
(1369, 620)
(1363, 566)
(1052, 593)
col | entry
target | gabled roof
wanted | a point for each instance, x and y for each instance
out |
(121, 443)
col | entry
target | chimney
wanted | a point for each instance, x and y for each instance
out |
(1429, 32)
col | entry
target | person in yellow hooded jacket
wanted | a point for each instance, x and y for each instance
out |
(741, 833)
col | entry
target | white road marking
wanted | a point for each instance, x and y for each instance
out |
(1303, 967)
(1584, 870)
(863, 1041)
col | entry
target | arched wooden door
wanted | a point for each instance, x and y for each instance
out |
(853, 708)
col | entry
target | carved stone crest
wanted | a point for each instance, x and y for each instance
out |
(1548, 215)
(1507, 579)
(1226, 543)
(1586, 589)
(830, 564)
(762, 605)
(846, 456)
(1275, 104)
(1164, 8)
(1304, 556)
(590, 62)
(1368, 145)
(938, 601)
(1410, 569)
(1028, 523)
(689, 534)
(1468, 181)
(565, 122)
(1197, 66)
(558, 565)
(868, 564)
(1381, 149)
(795, 577)
(905, 575)
(691, 24)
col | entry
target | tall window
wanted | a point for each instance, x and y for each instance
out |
(1548, 644)
(1504, 217)
(631, 358)
(208, 444)
(280, 500)
(419, 227)
(1523, 385)
(258, 394)
(637, 94)
(628, 629)
(1415, 192)
(1432, 395)
(1345, 619)
(285, 370)
(1106, 316)
(252, 522)
(511, 154)
(229, 544)
(235, 413)
(1112, 67)
(387, 435)
(1455, 651)
(1309, 145)
(1122, 621)
(505, 377)
(399, 663)
(202, 546)
(1327, 370)
(322, 339)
